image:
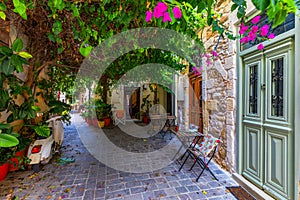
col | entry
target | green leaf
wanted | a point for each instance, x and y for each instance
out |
(17, 45)
(7, 140)
(43, 131)
(75, 12)
(4, 100)
(57, 27)
(20, 8)
(2, 15)
(4, 126)
(261, 4)
(60, 50)
(233, 7)
(6, 51)
(85, 51)
(2, 6)
(51, 37)
(35, 108)
(6, 67)
(16, 61)
(24, 54)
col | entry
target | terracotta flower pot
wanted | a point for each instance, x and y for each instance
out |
(145, 119)
(95, 122)
(101, 124)
(89, 121)
(14, 162)
(106, 121)
(3, 171)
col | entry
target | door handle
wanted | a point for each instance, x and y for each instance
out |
(263, 86)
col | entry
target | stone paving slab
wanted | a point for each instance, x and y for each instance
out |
(87, 178)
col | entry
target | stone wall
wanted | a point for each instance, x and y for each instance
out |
(220, 92)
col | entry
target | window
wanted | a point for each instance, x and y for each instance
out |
(277, 87)
(253, 89)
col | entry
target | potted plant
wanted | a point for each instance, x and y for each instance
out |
(146, 104)
(103, 112)
(5, 154)
(19, 158)
(7, 140)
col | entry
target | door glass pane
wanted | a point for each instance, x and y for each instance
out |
(277, 87)
(253, 89)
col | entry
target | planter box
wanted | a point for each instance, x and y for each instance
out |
(3, 171)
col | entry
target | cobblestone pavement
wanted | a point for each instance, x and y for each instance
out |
(87, 178)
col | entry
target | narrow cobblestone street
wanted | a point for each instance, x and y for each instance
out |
(87, 178)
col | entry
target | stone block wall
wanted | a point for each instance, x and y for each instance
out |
(220, 92)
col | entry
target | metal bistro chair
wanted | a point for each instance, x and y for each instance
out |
(203, 153)
(119, 117)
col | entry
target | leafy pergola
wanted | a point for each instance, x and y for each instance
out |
(60, 34)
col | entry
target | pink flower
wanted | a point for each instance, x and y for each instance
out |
(260, 47)
(254, 29)
(148, 16)
(157, 14)
(167, 17)
(214, 54)
(243, 29)
(244, 40)
(208, 62)
(271, 36)
(206, 55)
(177, 12)
(255, 20)
(159, 10)
(252, 36)
(264, 30)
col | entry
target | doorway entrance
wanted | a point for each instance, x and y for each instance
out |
(132, 102)
(195, 101)
(267, 119)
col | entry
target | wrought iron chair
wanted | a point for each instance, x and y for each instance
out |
(202, 153)
(119, 117)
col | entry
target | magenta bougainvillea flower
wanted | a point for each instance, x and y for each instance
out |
(256, 32)
(148, 16)
(255, 20)
(260, 47)
(244, 40)
(251, 36)
(159, 9)
(157, 14)
(214, 53)
(264, 30)
(271, 36)
(254, 29)
(243, 29)
(167, 17)
(177, 12)
(196, 71)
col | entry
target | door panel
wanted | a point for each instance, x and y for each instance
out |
(267, 122)
(277, 165)
(253, 146)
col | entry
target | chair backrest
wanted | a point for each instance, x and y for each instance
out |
(208, 144)
(119, 114)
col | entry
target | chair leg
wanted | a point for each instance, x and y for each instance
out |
(204, 166)
(193, 165)
(184, 161)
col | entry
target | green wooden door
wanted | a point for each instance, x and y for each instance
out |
(267, 119)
